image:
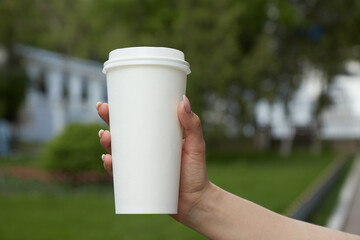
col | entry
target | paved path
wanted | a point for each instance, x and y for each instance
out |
(346, 216)
(352, 221)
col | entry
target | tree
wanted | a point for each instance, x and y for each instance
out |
(324, 39)
(12, 77)
(240, 51)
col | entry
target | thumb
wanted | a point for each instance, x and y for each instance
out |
(194, 143)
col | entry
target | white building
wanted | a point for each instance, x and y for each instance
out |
(340, 121)
(62, 89)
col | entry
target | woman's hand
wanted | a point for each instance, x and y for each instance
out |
(193, 176)
(212, 211)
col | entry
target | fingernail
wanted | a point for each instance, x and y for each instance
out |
(98, 104)
(101, 133)
(187, 104)
(103, 157)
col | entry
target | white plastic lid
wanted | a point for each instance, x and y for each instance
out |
(147, 56)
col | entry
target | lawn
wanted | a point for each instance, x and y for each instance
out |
(34, 210)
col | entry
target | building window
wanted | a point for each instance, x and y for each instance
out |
(41, 85)
(84, 89)
(65, 85)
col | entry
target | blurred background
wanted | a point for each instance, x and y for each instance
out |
(275, 82)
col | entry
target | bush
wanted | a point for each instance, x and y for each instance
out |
(76, 149)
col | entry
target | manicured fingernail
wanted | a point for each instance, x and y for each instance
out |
(103, 157)
(101, 133)
(98, 104)
(187, 104)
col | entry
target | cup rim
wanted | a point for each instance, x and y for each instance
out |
(147, 56)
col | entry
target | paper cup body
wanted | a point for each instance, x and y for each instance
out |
(146, 137)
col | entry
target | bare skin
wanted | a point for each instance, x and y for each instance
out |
(210, 210)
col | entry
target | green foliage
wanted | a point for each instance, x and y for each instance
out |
(75, 150)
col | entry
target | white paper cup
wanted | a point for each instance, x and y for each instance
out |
(145, 85)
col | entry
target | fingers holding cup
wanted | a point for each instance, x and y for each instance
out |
(107, 161)
(105, 140)
(103, 111)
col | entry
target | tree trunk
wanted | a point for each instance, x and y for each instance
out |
(286, 146)
(316, 143)
(262, 138)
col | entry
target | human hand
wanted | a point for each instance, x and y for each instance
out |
(212, 211)
(193, 176)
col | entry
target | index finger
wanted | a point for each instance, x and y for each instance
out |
(103, 111)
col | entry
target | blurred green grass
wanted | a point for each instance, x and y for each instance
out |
(35, 210)
(268, 179)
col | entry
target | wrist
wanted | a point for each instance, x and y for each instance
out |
(204, 208)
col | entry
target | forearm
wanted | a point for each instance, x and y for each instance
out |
(222, 215)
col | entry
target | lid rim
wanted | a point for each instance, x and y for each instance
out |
(181, 65)
(143, 51)
(147, 56)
